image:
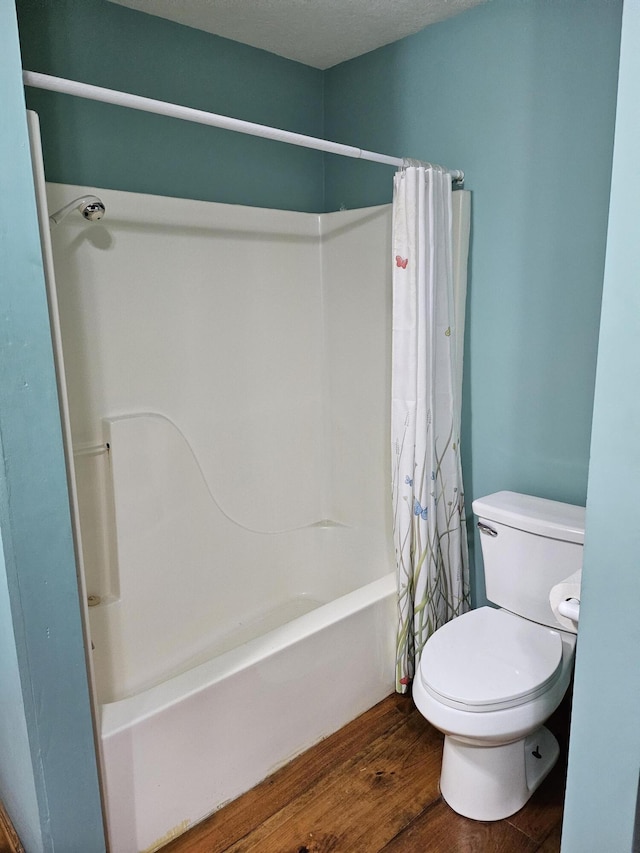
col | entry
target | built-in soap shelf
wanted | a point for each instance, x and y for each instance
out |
(90, 449)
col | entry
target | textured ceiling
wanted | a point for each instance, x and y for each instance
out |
(320, 33)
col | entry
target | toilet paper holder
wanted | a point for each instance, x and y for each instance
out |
(570, 609)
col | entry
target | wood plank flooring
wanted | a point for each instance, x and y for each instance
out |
(9, 841)
(372, 787)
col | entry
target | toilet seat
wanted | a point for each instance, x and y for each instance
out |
(488, 659)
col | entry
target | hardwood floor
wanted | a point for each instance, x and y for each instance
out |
(9, 841)
(373, 786)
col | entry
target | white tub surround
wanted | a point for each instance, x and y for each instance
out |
(228, 375)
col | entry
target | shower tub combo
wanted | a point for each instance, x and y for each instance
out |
(225, 373)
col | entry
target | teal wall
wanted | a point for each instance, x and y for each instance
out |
(521, 95)
(17, 785)
(46, 736)
(106, 146)
(604, 756)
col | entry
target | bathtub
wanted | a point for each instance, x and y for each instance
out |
(225, 380)
(228, 393)
(171, 755)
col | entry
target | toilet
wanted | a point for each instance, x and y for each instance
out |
(490, 678)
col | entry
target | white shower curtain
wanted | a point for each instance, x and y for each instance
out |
(428, 500)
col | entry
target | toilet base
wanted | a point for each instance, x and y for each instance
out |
(493, 782)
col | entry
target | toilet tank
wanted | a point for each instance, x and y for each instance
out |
(529, 544)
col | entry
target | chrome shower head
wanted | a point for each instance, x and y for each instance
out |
(89, 206)
(93, 211)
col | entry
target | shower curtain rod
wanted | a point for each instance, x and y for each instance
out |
(149, 105)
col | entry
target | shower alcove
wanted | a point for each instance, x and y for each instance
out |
(226, 372)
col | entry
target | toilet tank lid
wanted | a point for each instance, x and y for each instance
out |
(534, 515)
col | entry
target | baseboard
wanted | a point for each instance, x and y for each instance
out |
(9, 840)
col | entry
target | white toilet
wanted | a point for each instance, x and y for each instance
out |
(490, 678)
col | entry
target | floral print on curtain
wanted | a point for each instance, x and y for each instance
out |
(428, 499)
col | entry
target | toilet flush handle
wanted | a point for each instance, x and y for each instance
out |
(488, 531)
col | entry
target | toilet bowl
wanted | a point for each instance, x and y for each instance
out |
(490, 678)
(489, 682)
